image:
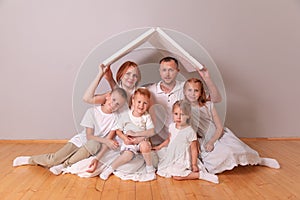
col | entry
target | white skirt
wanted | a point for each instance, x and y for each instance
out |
(229, 152)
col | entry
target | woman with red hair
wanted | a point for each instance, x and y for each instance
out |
(127, 77)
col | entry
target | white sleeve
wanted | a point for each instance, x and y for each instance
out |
(192, 135)
(171, 128)
(149, 122)
(115, 125)
(88, 119)
(119, 124)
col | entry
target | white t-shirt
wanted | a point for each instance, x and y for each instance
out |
(128, 122)
(163, 104)
(95, 118)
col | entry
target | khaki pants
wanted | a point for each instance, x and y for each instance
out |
(67, 155)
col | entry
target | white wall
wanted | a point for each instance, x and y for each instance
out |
(254, 43)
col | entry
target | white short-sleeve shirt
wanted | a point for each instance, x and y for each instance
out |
(128, 122)
(95, 118)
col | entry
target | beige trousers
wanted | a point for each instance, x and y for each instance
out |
(67, 155)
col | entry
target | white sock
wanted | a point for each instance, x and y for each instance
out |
(269, 162)
(106, 173)
(21, 160)
(208, 177)
(149, 176)
(57, 169)
(150, 169)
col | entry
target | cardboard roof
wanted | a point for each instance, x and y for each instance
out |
(158, 39)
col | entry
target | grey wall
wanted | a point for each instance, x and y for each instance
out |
(255, 45)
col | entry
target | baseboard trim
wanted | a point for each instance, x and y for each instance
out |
(33, 141)
(65, 141)
(270, 139)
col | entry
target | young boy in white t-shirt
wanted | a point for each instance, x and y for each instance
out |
(98, 123)
(134, 128)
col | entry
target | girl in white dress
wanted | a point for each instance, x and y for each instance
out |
(175, 152)
(220, 149)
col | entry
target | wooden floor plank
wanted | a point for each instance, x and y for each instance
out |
(249, 182)
(127, 190)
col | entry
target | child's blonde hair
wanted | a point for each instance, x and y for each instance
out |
(141, 91)
(185, 106)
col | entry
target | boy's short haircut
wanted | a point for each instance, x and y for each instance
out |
(120, 91)
(168, 59)
(142, 91)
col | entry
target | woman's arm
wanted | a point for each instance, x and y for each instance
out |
(209, 146)
(109, 77)
(214, 93)
(89, 95)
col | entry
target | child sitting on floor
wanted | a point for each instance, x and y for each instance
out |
(134, 128)
(176, 159)
(98, 122)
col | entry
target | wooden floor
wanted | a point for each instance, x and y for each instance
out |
(251, 182)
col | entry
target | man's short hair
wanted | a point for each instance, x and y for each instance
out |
(168, 59)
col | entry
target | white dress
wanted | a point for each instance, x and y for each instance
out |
(175, 160)
(229, 151)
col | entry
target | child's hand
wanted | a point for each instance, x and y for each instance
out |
(156, 148)
(128, 140)
(134, 140)
(203, 73)
(112, 144)
(195, 168)
(93, 165)
(209, 147)
(131, 133)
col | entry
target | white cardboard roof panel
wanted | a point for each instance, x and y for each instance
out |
(159, 40)
(129, 47)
